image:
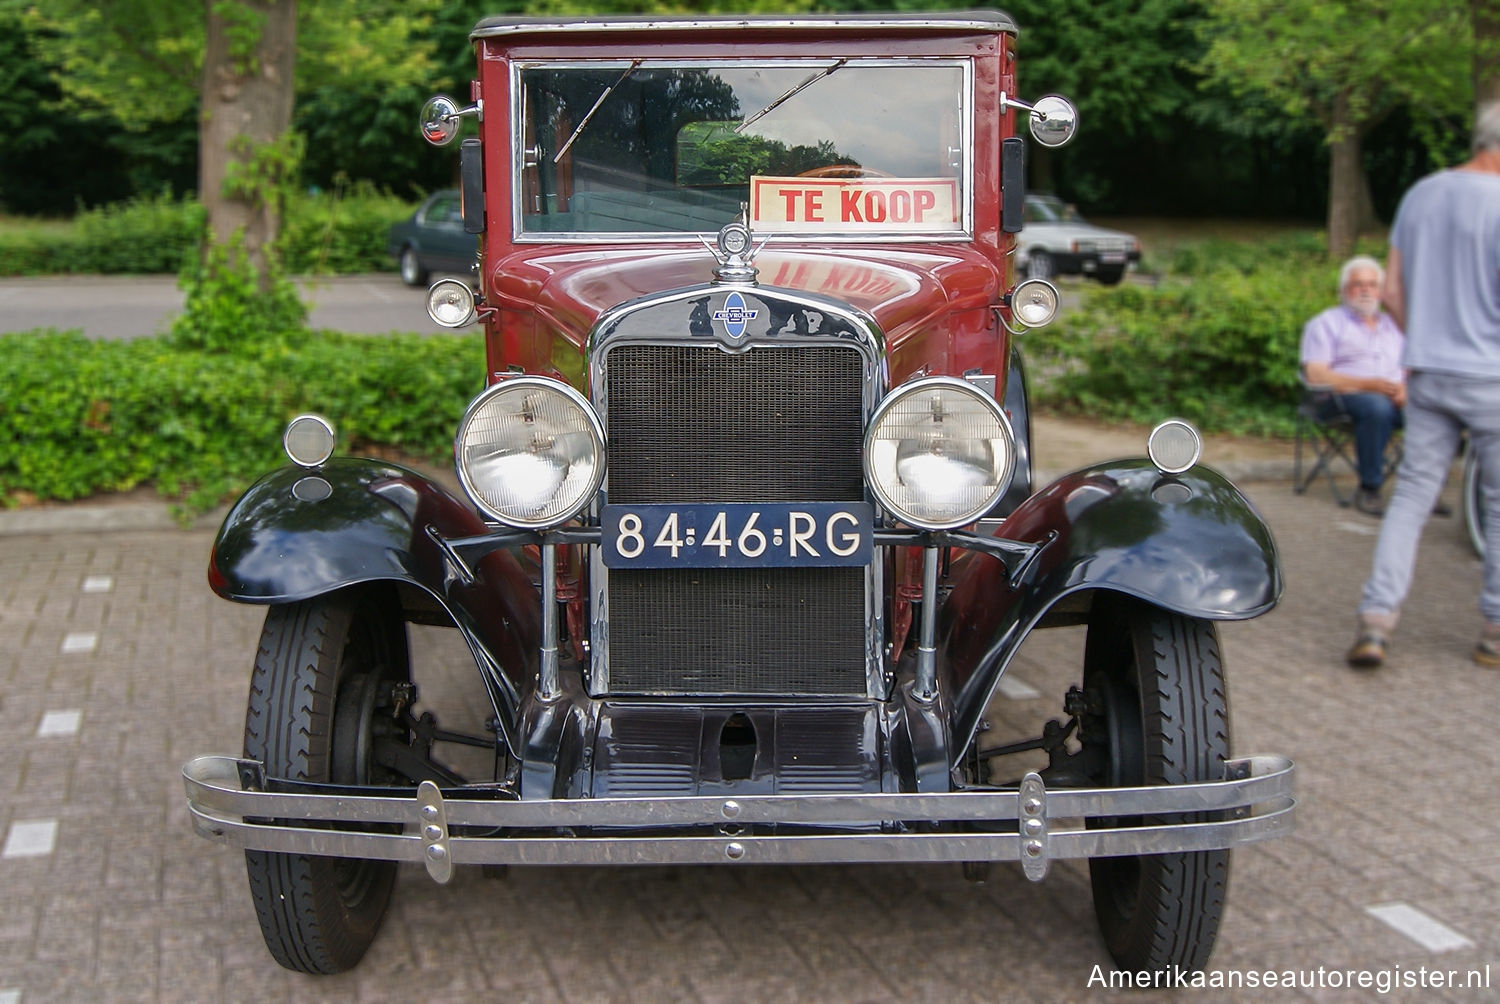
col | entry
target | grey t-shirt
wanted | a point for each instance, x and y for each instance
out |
(1448, 232)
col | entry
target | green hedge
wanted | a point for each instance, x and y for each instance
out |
(1215, 341)
(337, 232)
(86, 417)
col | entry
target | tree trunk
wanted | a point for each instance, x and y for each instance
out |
(246, 106)
(1347, 185)
(1365, 220)
(1486, 15)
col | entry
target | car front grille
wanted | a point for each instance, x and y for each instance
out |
(695, 424)
(689, 423)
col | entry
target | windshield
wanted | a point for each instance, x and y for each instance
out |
(853, 147)
(1050, 209)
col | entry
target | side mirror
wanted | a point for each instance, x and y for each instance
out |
(440, 119)
(1053, 120)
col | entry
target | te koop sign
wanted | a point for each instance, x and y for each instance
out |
(854, 205)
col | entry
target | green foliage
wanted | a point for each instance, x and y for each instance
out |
(141, 59)
(1307, 53)
(337, 232)
(142, 235)
(242, 27)
(150, 234)
(87, 417)
(712, 153)
(263, 172)
(229, 305)
(340, 232)
(1216, 342)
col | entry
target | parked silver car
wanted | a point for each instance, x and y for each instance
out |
(1058, 241)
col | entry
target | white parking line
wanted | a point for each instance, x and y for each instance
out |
(10, 997)
(1014, 689)
(1429, 932)
(1369, 529)
(98, 584)
(59, 723)
(79, 641)
(30, 839)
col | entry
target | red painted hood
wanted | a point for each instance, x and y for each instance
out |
(904, 289)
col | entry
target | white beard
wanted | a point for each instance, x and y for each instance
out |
(1365, 306)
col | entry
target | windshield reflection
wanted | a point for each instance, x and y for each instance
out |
(627, 147)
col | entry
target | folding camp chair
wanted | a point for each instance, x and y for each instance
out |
(1329, 436)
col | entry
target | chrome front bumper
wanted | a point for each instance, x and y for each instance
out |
(1254, 802)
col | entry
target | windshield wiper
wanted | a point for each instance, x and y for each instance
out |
(787, 96)
(607, 92)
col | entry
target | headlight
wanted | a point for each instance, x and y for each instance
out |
(1034, 302)
(939, 453)
(530, 452)
(450, 303)
(308, 440)
(1174, 446)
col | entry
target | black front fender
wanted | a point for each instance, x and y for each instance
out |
(1188, 543)
(296, 534)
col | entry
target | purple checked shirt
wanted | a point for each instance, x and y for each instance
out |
(1338, 337)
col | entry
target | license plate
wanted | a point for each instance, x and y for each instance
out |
(1112, 257)
(738, 535)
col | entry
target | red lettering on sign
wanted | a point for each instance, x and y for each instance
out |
(849, 206)
(925, 200)
(875, 206)
(790, 195)
(812, 203)
(901, 206)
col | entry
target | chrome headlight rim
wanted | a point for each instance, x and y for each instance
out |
(594, 427)
(1175, 435)
(1037, 298)
(456, 291)
(294, 434)
(919, 386)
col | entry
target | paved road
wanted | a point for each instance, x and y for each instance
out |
(117, 664)
(138, 305)
(112, 306)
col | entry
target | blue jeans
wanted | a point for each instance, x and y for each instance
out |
(1375, 418)
(1439, 407)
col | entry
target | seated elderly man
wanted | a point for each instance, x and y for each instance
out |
(1355, 349)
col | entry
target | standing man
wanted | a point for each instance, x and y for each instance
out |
(1443, 288)
(1356, 349)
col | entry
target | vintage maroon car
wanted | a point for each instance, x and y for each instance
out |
(749, 536)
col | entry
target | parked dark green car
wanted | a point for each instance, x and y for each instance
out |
(433, 240)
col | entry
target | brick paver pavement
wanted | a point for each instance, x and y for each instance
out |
(117, 665)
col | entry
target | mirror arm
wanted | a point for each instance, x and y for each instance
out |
(1007, 102)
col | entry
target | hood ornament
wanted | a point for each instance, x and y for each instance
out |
(735, 251)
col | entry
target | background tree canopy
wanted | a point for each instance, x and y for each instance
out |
(1188, 107)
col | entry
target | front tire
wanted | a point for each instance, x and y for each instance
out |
(1163, 716)
(412, 272)
(1110, 275)
(319, 692)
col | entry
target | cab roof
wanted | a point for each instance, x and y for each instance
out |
(939, 22)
